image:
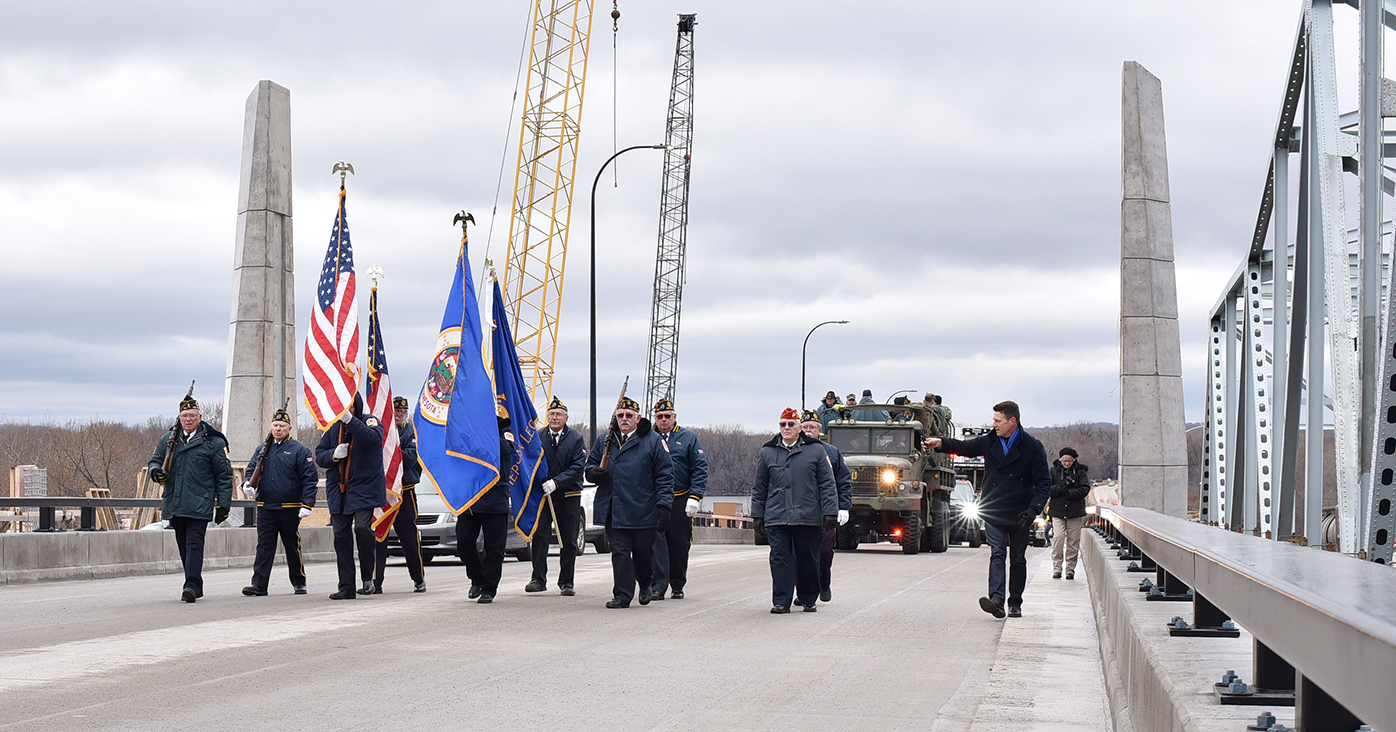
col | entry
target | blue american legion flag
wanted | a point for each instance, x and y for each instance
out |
(379, 398)
(331, 369)
(457, 435)
(528, 470)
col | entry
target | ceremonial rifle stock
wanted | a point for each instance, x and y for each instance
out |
(611, 429)
(256, 479)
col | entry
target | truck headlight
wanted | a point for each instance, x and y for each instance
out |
(889, 476)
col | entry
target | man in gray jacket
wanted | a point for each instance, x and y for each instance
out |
(793, 497)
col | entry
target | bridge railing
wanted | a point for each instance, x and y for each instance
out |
(1324, 624)
(88, 508)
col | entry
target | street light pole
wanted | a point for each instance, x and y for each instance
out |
(802, 356)
(592, 440)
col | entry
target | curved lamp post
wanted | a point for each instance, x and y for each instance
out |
(593, 275)
(802, 356)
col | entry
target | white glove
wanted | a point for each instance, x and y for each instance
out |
(341, 451)
(843, 516)
(348, 415)
(304, 513)
(248, 490)
(692, 507)
(549, 486)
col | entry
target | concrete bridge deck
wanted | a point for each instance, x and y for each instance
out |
(903, 645)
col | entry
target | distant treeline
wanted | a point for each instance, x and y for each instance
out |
(96, 453)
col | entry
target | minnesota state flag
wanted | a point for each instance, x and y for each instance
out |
(457, 435)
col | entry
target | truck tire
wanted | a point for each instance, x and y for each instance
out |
(940, 527)
(581, 537)
(911, 534)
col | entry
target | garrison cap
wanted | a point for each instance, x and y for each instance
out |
(628, 403)
(790, 413)
(281, 415)
(188, 402)
(664, 405)
(810, 416)
(557, 404)
(400, 402)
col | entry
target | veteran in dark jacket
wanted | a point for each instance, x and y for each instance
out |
(1016, 484)
(488, 514)
(285, 493)
(634, 480)
(405, 522)
(793, 498)
(566, 453)
(351, 452)
(690, 483)
(1067, 506)
(198, 487)
(843, 484)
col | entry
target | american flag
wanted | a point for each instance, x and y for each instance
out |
(331, 368)
(380, 404)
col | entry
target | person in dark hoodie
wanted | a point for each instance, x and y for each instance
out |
(489, 514)
(634, 480)
(351, 453)
(794, 497)
(285, 493)
(1016, 483)
(1067, 507)
(405, 522)
(198, 487)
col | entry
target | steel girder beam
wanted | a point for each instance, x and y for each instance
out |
(1259, 506)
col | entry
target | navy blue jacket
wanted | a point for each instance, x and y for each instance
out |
(843, 477)
(289, 479)
(794, 487)
(1012, 482)
(496, 499)
(411, 467)
(690, 464)
(642, 480)
(365, 488)
(565, 462)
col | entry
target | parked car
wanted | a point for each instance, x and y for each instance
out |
(437, 526)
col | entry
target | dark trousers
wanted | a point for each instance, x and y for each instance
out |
(569, 515)
(826, 558)
(189, 537)
(632, 560)
(271, 524)
(671, 553)
(483, 572)
(351, 529)
(405, 526)
(1008, 543)
(794, 563)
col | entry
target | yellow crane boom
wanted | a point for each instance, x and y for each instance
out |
(543, 184)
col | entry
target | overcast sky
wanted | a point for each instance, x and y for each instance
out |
(945, 175)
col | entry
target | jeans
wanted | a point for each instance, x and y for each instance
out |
(1009, 543)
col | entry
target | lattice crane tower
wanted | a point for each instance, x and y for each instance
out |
(548, 141)
(669, 267)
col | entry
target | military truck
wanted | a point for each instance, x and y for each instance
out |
(900, 492)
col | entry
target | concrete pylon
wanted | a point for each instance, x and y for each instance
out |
(1153, 451)
(262, 332)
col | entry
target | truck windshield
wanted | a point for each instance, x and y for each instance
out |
(872, 440)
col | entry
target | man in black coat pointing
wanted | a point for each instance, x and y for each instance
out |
(1016, 484)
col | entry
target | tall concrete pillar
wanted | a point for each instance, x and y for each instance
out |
(1153, 453)
(262, 332)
